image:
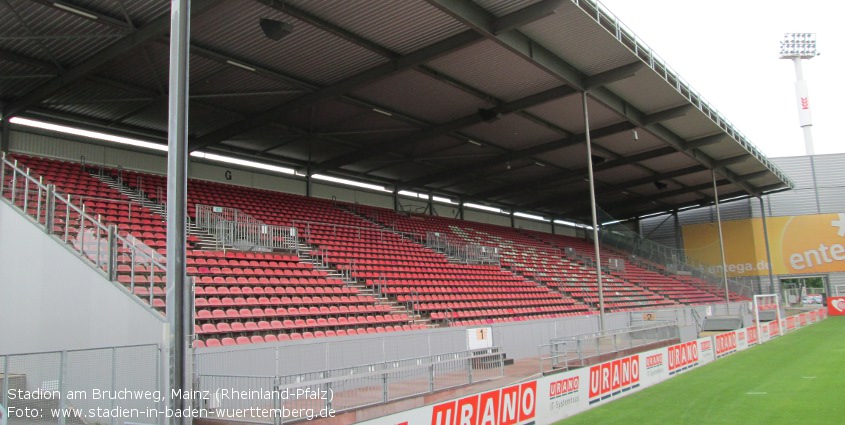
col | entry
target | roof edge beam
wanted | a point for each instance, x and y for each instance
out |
(702, 142)
(755, 175)
(721, 163)
(666, 114)
(526, 15)
(613, 75)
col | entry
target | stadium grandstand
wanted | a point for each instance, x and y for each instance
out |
(319, 195)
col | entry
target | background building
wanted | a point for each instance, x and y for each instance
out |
(804, 218)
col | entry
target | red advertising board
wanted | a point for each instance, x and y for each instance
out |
(505, 406)
(836, 306)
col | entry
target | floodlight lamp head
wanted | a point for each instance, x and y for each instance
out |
(275, 30)
(798, 46)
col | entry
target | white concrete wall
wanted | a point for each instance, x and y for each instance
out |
(488, 218)
(539, 226)
(51, 300)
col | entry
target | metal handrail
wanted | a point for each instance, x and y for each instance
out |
(607, 332)
(100, 245)
(236, 229)
(563, 351)
(341, 386)
(364, 369)
(468, 253)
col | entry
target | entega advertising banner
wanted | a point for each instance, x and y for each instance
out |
(798, 244)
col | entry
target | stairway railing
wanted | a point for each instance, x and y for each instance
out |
(235, 229)
(467, 253)
(112, 253)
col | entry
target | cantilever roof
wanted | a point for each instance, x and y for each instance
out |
(473, 100)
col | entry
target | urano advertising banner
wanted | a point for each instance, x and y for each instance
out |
(555, 397)
(798, 244)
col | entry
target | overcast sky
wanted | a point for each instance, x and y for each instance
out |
(728, 52)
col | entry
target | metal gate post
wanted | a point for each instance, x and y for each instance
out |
(50, 207)
(62, 385)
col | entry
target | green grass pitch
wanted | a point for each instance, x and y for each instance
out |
(795, 379)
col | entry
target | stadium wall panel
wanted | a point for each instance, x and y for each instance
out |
(485, 217)
(51, 300)
(327, 191)
(568, 231)
(538, 226)
(417, 206)
(450, 211)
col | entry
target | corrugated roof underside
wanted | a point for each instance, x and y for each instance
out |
(233, 28)
(578, 40)
(401, 27)
(434, 101)
(482, 66)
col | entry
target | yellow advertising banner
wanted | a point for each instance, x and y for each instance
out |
(799, 245)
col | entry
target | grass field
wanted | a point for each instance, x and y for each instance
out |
(795, 379)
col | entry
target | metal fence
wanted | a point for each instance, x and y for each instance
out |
(585, 349)
(117, 255)
(467, 253)
(347, 388)
(235, 229)
(111, 385)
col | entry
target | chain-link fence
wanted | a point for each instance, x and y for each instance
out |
(111, 385)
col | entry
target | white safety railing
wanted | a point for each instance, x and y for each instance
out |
(119, 256)
(352, 387)
(582, 350)
(235, 229)
(467, 253)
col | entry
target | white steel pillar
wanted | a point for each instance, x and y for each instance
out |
(721, 240)
(593, 209)
(180, 293)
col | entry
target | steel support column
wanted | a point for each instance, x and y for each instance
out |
(679, 245)
(766, 241)
(5, 135)
(593, 208)
(721, 241)
(179, 292)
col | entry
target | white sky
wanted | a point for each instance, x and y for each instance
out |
(728, 52)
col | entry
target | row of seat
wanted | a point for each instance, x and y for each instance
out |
(296, 336)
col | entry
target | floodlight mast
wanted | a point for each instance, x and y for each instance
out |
(798, 46)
